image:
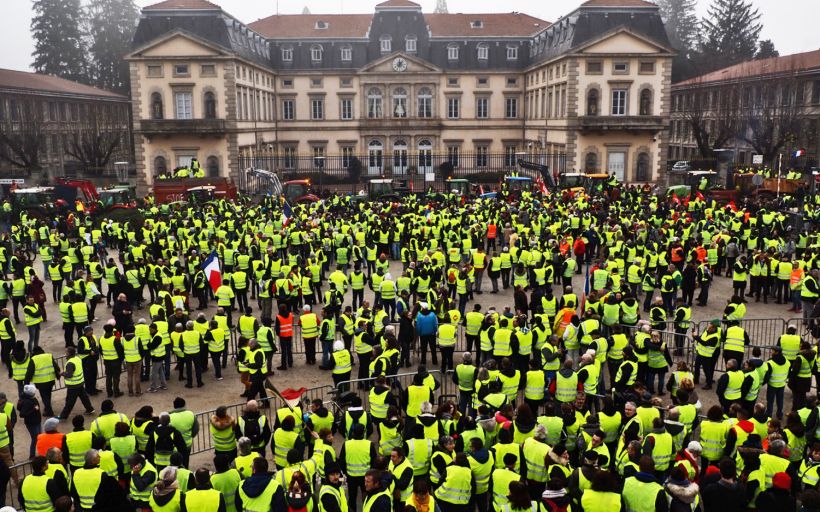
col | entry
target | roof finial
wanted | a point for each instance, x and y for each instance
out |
(441, 7)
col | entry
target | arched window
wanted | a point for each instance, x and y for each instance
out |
(160, 166)
(210, 105)
(642, 171)
(646, 103)
(483, 50)
(425, 102)
(212, 167)
(592, 102)
(374, 103)
(316, 53)
(156, 106)
(399, 102)
(591, 163)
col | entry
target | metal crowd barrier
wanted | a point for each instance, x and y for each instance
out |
(204, 442)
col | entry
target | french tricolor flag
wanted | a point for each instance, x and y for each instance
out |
(287, 214)
(799, 153)
(213, 272)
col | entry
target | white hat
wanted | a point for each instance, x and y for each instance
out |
(338, 346)
(694, 446)
(306, 307)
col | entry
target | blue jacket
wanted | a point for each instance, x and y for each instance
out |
(426, 324)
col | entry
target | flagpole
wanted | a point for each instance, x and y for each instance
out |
(779, 172)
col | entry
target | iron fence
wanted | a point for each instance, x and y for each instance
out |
(420, 171)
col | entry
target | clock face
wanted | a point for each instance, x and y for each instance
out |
(399, 64)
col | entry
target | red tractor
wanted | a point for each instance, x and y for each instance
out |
(299, 191)
(197, 190)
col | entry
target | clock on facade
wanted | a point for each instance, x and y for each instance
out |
(399, 64)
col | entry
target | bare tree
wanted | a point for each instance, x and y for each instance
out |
(96, 141)
(21, 135)
(772, 120)
(712, 116)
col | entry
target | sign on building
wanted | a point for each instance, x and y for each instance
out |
(757, 159)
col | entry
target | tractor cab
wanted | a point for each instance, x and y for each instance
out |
(459, 187)
(518, 184)
(201, 195)
(117, 195)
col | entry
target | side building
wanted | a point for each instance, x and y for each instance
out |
(50, 126)
(401, 90)
(768, 107)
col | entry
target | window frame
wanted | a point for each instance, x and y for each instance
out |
(190, 105)
(622, 103)
(317, 109)
(486, 107)
(287, 54)
(346, 53)
(288, 109)
(453, 107)
(452, 52)
(510, 107)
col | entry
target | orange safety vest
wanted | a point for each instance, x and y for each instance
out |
(796, 277)
(701, 254)
(491, 230)
(677, 254)
(285, 326)
(49, 440)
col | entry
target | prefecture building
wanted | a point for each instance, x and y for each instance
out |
(402, 90)
(751, 102)
(56, 126)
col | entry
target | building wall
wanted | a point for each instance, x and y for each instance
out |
(58, 118)
(550, 103)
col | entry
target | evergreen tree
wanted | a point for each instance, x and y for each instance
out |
(110, 30)
(682, 29)
(731, 30)
(58, 43)
(766, 50)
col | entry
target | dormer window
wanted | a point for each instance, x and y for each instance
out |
(321, 25)
(385, 43)
(483, 51)
(477, 24)
(316, 53)
(410, 44)
(452, 52)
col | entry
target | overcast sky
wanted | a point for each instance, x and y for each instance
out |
(791, 24)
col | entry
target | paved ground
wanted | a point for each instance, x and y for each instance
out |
(216, 393)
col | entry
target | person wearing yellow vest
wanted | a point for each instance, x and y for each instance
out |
(133, 353)
(309, 323)
(735, 339)
(222, 427)
(204, 497)
(809, 292)
(33, 315)
(143, 478)
(113, 354)
(642, 492)
(402, 472)
(332, 497)
(93, 489)
(659, 444)
(376, 497)
(38, 491)
(775, 376)
(355, 459)
(185, 422)
(75, 384)
(261, 491)
(446, 339)
(730, 385)
(167, 495)
(340, 364)
(88, 351)
(457, 484)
